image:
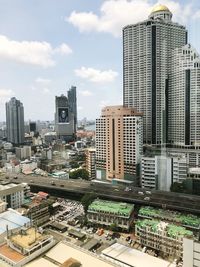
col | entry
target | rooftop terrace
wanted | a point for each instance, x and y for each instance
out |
(185, 219)
(172, 230)
(117, 208)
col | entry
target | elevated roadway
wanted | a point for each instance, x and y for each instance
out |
(77, 188)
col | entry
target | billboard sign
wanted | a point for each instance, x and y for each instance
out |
(63, 116)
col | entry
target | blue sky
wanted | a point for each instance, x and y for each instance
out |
(48, 45)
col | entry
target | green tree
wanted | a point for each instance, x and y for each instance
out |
(114, 227)
(87, 199)
(80, 173)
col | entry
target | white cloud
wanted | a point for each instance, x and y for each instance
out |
(114, 15)
(96, 76)
(42, 80)
(86, 93)
(63, 49)
(5, 95)
(30, 52)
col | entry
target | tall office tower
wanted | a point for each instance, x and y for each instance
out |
(32, 126)
(15, 121)
(64, 119)
(73, 104)
(147, 48)
(118, 143)
(184, 97)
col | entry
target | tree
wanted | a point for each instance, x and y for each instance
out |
(87, 199)
(114, 227)
(80, 173)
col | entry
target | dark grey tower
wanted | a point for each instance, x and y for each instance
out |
(64, 119)
(73, 104)
(15, 121)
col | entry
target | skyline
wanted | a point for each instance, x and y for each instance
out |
(61, 37)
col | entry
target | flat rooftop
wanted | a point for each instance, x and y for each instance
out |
(10, 253)
(28, 239)
(12, 219)
(63, 252)
(117, 208)
(185, 219)
(133, 258)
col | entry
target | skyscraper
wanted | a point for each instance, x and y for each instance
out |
(147, 58)
(184, 97)
(73, 104)
(118, 143)
(15, 121)
(64, 119)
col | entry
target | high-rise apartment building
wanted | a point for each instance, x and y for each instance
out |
(15, 121)
(147, 59)
(73, 104)
(118, 143)
(90, 162)
(184, 97)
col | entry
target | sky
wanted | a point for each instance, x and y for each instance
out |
(48, 45)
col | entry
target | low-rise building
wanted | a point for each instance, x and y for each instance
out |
(24, 246)
(189, 221)
(162, 236)
(110, 212)
(23, 152)
(91, 162)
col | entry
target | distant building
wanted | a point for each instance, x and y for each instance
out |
(73, 104)
(12, 194)
(64, 119)
(184, 98)
(15, 121)
(110, 212)
(23, 152)
(160, 172)
(119, 143)
(91, 162)
(32, 126)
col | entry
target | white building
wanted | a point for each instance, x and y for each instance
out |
(23, 152)
(160, 172)
(118, 143)
(12, 194)
(184, 97)
(191, 253)
(147, 48)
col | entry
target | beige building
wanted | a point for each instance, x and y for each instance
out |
(90, 162)
(118, 143)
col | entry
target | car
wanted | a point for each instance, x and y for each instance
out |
(128, 238)
(148, 192)
(147, 198)
(15, 177)
(62, 185)
(53, 183)
(140, 193)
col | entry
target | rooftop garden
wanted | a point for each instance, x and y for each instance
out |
(112, 207)
(185, 219)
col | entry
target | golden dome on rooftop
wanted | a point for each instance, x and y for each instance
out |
(159, 8)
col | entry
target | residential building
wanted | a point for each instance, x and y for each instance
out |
(64, 119)
(162, 236)
(23, 152)
(15, 121)
(109, 212)
(118, 143)
(159, 172)
(184, 98)
(12, 194)
(71, 94)
(191, 253)
(91, 162)
(147, 60)
(32, 127)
